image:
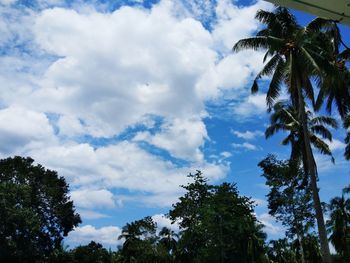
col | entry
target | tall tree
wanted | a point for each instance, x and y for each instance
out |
(296, 58)
(339, 225)
(285, 117)
(217, 224)
(140, 238)
(347, 138)
(288, 200)
(35, 211)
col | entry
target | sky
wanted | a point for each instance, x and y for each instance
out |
(125, 98)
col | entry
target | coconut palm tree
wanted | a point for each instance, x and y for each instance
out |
(284, 117)
(339, 225)
(296, 58)
(335, 86)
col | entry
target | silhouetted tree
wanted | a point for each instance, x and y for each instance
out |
(35, 211)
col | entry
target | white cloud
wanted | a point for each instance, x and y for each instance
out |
(336, 145)
(100, 73)
(116, 80)
(163, 221)
(89, 198)
(181, 137)
(226, 154)
(89, 214)
(246, 145)
(254, 105)
(248, 135)
(235, 22)
(108, 235)
(22, 129)
(122, 165)
(271, 227)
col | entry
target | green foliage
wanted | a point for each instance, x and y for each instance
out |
(219, 224)
(91, 253)
(140, 239)
(289, 199)
(35, 211)
(281, 251)
(339, 225)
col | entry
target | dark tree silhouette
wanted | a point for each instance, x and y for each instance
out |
(35, 211)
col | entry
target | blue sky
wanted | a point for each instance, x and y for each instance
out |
(125, 98)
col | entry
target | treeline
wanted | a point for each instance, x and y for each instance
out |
(215, 223)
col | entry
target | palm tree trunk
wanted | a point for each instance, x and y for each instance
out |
(312, 171)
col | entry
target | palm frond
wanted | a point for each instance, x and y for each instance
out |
(254, 43)
(318, 24)
(321, 145)
(257, 43)
(275, 84)
(274, 128)
(346, 122)
(324, 120)
(347, 148)
(265, 17)
(321, 130)
(310, 60)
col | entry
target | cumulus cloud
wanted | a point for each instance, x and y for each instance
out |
(91, 74)
(108, 235)
(122, 165)
(23, 129)
(253, 105)
(89, 198)
(116, 80)
(181, 137)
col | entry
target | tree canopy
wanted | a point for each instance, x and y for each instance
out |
(35, 211)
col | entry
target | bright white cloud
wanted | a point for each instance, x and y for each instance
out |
(89, 198)
(96, 74)
(235, 22)
(108, 235)
(254, 105)
(248, 135)
(271, 227)
(163, 221)
(22, 129)
(116, 80)
(181, 137)
(122, 165)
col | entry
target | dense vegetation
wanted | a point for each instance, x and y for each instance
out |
(216, 223)
(309, 64)
(35, 211)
